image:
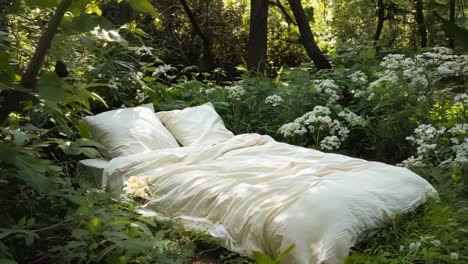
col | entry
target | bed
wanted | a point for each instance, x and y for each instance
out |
(259, 195)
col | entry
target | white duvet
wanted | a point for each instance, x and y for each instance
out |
(269, 195)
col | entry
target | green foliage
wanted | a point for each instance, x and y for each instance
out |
(51, 213)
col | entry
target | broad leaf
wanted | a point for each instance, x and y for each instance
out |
(143, 6)
(51, 88)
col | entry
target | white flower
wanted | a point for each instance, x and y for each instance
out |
(436, 243)
(274, 100)
(402, 248)
(163, 69)
(235, 92)
(329, 88)
(138, 186)
(350, 117)
(107, 35)
(330, 143)
(459, 129)
(218, 231)
(358, 77)
(454, 255)
(140, 96)
(141, 51)
(413, 246)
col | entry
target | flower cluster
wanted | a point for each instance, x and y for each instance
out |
(140, 96)
(358, 77)
(163, 70)
(235, 92)
(427, 241)
(107, 35)
(138, 186)
(329, 88)
(274, 100)
(427, 140)
(327, 132)
(418, 73)
(144, 50)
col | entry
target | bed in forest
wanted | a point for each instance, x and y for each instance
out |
(259, 194)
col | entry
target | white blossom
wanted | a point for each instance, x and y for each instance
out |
(358, 77)
(329, 88)
(235, 92)
(138, 186)
(413, 246)
(454, 255)
(274, 100)
(330, 143)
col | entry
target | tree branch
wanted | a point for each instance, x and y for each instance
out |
(12, 98)
(30, 75)
(278, 4)
(207, 53)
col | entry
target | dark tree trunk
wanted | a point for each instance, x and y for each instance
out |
(307, 38)
(451, 42)
(12, 98)
(419, 17)
(380, 21)
(207, 52)
(257, 45)
(283, 10)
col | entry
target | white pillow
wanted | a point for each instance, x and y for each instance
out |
(130, 130)
(199, 125)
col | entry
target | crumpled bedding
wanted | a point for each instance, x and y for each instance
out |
(269, 195)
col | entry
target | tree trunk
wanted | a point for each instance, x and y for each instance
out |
(451, 42)
(12, 98)
(257, 44)
(207, 52)
(380, 21)
(419, 17)
(307, 38)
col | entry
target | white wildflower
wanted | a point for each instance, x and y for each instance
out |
(144, 50)
(329, 88)
(235, 92)
(358, 77)
(330, 143)
(274, 100)
(454, 255)
(413, 246)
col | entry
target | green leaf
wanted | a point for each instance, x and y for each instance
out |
(90, 152)
(70, 148)
(43, 3)
(51, 88)
(86, 142)
(93, 9)
(7, 73)
(8, 153)
(143, 6)
(94, 225)
(286, 253)
(78, 6)
(309, 11)
(261, 258)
